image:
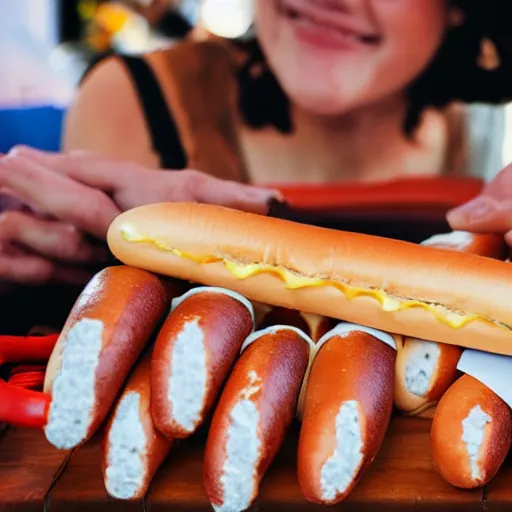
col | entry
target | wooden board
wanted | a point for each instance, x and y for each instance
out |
(498, 493)
(80, 488)
(401, 478)
(29, 466)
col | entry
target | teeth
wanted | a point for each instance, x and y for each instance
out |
(308, 22)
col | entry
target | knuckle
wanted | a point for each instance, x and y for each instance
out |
(193, 183)
(69, 244)
(10, 222)
(97, 210)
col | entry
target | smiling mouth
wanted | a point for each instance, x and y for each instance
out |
(312, 21)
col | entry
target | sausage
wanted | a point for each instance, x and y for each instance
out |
(253, 415)
(471, 434)
(347, 407)
(424, 371)
(133, 448)
(103, 336)
(193, 354)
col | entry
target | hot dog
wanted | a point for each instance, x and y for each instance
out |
(193, 353)
(315, 326)
(253, 415)
(134, 449)
(417, 291)
(471, 433)
(424, 369)
(347, 407)
(103, 336)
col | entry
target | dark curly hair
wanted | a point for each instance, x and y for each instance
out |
(453, 75)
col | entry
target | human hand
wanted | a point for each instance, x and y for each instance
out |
(36, 249)
(124, 184)
(490, 211)
(70, 196)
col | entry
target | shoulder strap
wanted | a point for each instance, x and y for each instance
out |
(162, 128)
(163, 132)
(200, 85)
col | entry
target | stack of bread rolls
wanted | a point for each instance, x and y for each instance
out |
(244, 328)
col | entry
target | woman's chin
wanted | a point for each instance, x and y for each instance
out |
(320, 103)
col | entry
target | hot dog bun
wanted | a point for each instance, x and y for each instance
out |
(193, 354)
(133, 449)
(102, 338)
(254, 412)
(417, 291)
(424, 371)
(471, 433)
(347, 407)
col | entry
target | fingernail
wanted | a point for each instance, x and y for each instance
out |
(21, 151)
(474, 211)
(278, 196)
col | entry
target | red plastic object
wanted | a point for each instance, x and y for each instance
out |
(17, 349)
(23, 407)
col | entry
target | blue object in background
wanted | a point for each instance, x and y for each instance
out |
(36, 126)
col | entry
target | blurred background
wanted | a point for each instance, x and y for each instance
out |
(46, 45)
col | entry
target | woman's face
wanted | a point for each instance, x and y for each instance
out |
(335, 56)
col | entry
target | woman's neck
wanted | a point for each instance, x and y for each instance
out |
(366, 146)
(353, 145)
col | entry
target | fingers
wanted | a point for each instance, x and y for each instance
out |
(483, 214)
(51, 239)
(88, 209)
(83, 166)
(35, 270)
(206, 189)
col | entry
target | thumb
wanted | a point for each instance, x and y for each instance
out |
(235, 195)
(482, 214)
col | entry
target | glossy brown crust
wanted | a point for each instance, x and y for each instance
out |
(354, 367)
(279, 360)
(314, 326)
(157, 446)
(459, 281)
(442, 378)
(449, 451)
(225, 323)
(130, 303)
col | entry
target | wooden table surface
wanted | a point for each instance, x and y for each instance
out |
(36, 477)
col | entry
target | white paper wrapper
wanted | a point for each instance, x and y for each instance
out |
(212, 289)
(344, 328)
(272, 330)
(493, 370)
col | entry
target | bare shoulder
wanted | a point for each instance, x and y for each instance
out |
(106, 116)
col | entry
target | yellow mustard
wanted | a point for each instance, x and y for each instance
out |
(293, 281)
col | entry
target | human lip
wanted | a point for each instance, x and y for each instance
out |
(332, 28)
